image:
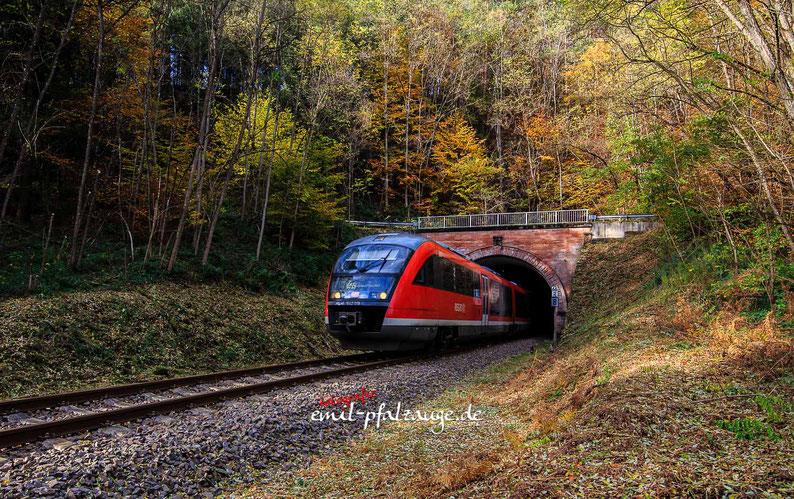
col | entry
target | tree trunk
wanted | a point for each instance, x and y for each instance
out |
(267, 182)
(245, 128)
(408, 129)
(203, 130)
(29, 140)
(92, 197)
(73, 257)
(215, 215)
(23, 81)
(781, 69)
(385, 123)
(202, 168)
(248, 151)
(765, 187)
(300, 185)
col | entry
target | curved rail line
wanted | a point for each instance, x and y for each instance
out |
(32, 432)
(29, 433)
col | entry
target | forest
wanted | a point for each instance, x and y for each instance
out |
(168, 127)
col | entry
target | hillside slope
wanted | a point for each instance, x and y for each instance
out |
(652, 391)
(105, 336)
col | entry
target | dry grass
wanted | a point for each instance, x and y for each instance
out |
(455, 474)
(648, 395)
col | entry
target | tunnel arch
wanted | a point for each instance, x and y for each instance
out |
(503, 255)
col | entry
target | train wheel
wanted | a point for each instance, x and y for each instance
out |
(445, 336)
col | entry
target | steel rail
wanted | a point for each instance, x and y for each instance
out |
(53, 400)
(30, 433)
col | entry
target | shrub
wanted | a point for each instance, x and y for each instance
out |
(749, 429)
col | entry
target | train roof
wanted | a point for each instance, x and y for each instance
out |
(413, 242)
(406, 239)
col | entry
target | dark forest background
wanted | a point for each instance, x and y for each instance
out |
(234, 137)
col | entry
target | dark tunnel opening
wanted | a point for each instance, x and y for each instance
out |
(540, 313)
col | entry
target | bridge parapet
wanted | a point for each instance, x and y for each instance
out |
(521, 219)
(618, 226)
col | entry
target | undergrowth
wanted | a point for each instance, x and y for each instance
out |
(749, 429)
(109, 262)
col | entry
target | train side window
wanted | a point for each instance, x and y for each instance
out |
(462, 280)
(501, 300)
(473, 279)
(441, 273)
(425, 275)
(496, 298)
(447, 275)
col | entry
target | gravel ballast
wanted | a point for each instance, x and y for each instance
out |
(204, 450)
(18, 419)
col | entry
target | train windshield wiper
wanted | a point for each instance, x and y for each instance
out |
(382, 262)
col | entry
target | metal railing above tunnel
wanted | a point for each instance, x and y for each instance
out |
(522, 218)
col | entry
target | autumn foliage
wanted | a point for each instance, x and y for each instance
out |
(159, 120)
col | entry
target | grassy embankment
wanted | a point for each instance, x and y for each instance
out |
(107, 336)
(121, 320)
(667, 382)
(91, 338)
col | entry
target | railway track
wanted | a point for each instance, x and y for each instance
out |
(166, 402)
(27, 433)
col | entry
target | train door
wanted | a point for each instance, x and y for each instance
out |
(486, 303)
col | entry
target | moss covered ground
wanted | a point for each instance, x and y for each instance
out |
(137, 332)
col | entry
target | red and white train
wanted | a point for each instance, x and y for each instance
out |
(404, 292)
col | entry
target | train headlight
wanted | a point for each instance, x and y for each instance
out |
(337, 295)
(383, 295)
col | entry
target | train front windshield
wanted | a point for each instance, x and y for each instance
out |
(367, 272)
